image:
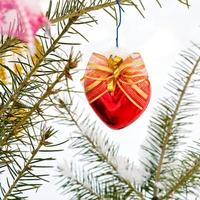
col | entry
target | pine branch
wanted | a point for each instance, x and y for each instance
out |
(21, 173)
(47, 93)
(85, 10)
(169, 130)
(80, 183)
(184, 179)
(15, 96)
(168, 125)
(100, 156)
(27, 166)
(94, 6)
(71, 62)
(186, 175)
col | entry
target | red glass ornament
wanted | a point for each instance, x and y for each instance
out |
(130, 89)
(116, 110)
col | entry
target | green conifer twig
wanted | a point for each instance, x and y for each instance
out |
(183, 179)
(27, 166)
(15, 96)
(104, 157)
(89, 9)
(169, 131)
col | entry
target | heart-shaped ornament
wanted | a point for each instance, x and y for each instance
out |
(117, 89)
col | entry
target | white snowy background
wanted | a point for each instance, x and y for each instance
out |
(159, 37)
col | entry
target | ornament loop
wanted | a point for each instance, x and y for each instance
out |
(119, 23)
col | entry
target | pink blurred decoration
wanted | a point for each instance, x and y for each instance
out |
(21, 19)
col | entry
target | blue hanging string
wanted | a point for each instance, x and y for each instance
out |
(119, 22)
